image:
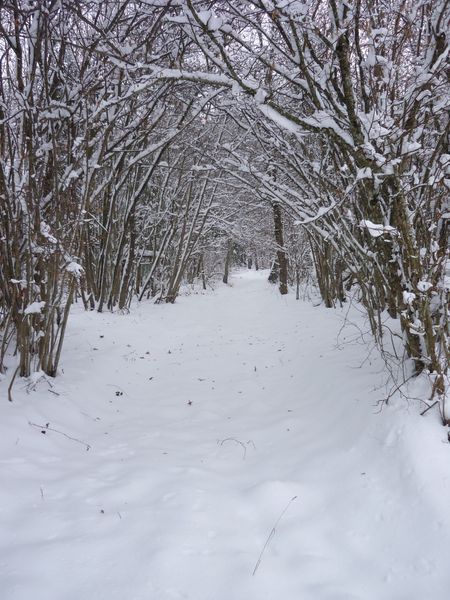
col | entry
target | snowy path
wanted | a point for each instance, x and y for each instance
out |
(231, 404)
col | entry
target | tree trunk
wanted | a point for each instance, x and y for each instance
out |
(281, 253)
(228, 257)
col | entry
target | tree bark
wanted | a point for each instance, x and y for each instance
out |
(228, 261)
(281, 253)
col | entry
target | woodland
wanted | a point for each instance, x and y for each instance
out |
(147, 144)
(224, 299)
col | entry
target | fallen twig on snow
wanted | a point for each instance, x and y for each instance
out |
(46, 427)
(272, 533)
(244, 447)
(429, 407)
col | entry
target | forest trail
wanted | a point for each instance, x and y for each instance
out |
(206, 420)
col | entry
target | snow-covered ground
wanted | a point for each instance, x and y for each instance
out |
(230, 432)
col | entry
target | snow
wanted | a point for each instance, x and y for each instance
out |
(75, 268)
(377, 229)
(34, 308)
(191, 429)
(322, 120)
(365, 173)
(282, 121)
(210, 20)
(410, 147)
(45, 231)
(424, 286)
(408, 298)
(260, 96)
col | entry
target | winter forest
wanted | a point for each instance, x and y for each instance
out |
(224, 299)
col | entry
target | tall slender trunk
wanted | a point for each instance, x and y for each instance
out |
(228, 261)
(281, 253)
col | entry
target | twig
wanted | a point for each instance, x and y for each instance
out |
(46, 427)
(272, 533)
(222, 442)
(10, 398)
(429, 407)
